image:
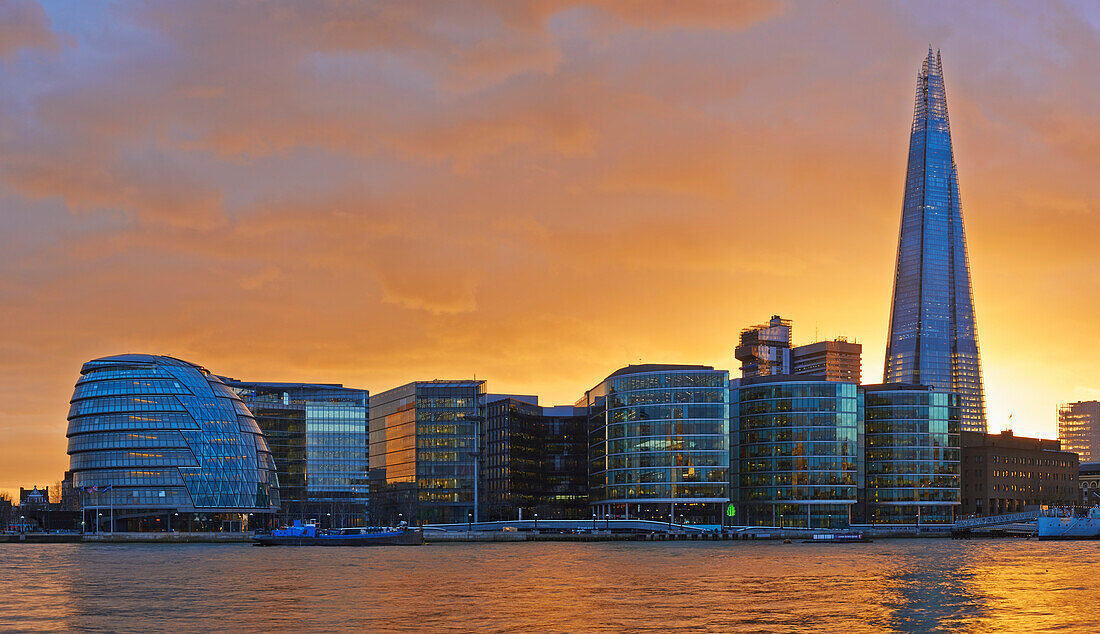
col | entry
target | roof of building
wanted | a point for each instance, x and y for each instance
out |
(658, 367)
(151, 359)
(288, 386)
(892, 387)
(783, 378)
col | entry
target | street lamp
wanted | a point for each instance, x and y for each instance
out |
(536, 522)
(470, 522)
(681, 521)
(400, 518)
(21, 527)
(593, 521)
(476, 455)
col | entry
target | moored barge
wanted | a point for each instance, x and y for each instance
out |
(309, 535)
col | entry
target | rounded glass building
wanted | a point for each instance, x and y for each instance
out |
(912, 436)
(156, 443)
(799, 452)
(658, 438)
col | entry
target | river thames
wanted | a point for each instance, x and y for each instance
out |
(895, 585)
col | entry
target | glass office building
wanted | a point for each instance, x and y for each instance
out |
(658, 443)
(317, 433)
(912, 454)
(423, 451)
(797, 455)
(512, 446)
(1079, 429)
(158, 443)
(564, 487)
(933, 339)
(535, 461)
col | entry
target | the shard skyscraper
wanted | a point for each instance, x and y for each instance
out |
(933, 339)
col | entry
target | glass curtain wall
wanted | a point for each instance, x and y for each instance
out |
(424, 445)
(659, 444)
(156, 443)
(933, 339)
(912, 455)
(798, 452)
(319, 437)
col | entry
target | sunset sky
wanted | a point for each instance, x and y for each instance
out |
(537, 193)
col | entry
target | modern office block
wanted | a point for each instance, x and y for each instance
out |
(512, 446)
(836, 360)
(911, 456)
(1079, 429)
(424, 450)
(658, 443)
(1004, 473)
(565, 462)
(535, 461)
(765, 349)
(933, 339)
(797, 452)
(317, 434)
(161, 443)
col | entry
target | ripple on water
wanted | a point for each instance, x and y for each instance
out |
(902, 585)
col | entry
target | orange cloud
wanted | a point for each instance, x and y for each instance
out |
(537, 193)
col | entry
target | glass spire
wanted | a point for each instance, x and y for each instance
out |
(933, 340)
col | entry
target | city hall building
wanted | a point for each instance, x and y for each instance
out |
(157, 443)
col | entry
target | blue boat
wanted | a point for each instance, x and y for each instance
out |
(310, 535)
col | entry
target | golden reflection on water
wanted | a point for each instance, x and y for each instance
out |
(1040, 586)
(902, 585)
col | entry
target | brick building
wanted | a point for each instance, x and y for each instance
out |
(1003, 473)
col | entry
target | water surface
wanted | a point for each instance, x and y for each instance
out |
(896, 585)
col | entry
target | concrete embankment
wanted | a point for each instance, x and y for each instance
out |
(40, 538)
(760, 535)
(460, 537)
(127, 538)
(498, 536)
(168, 538)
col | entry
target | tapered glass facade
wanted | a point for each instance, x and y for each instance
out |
(156, 436)
(912, 454)
(798, 452)
(933, 339)
(658, 443)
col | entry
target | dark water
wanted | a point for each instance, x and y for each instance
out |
(907, 585)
